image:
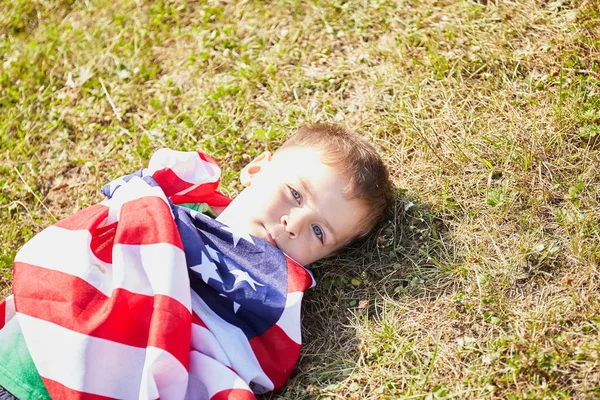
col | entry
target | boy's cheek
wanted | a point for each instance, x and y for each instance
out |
(300, 253)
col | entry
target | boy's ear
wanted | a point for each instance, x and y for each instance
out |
(254, 167)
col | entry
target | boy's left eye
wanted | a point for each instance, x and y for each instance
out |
(296, 195)
(318, 232)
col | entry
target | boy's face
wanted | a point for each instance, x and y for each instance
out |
(295, 202)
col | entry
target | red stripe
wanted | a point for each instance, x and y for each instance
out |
(276, 353)
(128, 318)
(298, 278)
(147, 220)
(197, 320)
(172, 184)
(171, 328)
(89, 219)
(2, 313)
(207, 192)
(233, 394)
(214, 199)
(60, 391)
(207, 158)
(102, 242)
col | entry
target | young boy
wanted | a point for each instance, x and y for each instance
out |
(112, 317)
(324, 188)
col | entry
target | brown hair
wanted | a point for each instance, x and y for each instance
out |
(356, 161)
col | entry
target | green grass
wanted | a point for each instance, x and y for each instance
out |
(484, 285)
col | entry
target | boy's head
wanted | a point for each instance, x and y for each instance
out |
(324, 188)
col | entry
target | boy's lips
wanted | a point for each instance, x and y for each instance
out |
(270, 238)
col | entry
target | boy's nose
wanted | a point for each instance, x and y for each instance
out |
(289, 228)
(293, 224)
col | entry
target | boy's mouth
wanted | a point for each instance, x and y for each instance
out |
(271, 239)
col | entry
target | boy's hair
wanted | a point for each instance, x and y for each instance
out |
(357, 161)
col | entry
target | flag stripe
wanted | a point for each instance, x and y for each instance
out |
(214, 376)
(60, 391)
(59, 242)
(208, 159)
(9, 304)
(3, 316)
(128, 318)
(163, 376)
(276, 353)
(87, 219)
(139, 224)
(137, 188)
(197, 320)
(234, 343)
(205, 342)
(189, 167)
(146, 269)
(167, 178)
(154, 268)
(234, 394)
(291, 315)
(214, 200)
(108, 369)
(299, 279)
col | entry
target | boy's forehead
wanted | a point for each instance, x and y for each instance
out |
(306, 166)
(301, 160)
(323, 185)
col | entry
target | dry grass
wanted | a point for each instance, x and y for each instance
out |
(485, 285)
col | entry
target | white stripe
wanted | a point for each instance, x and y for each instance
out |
(208, 377)
(50, 247)
(205, 342)
(187, 165)
(234, 343)
(148, 269)
(163, 377)
(158, 268)
(135, 189)
(112, 186)
(83, 363)
(290, 318)
(10, 308)
(191, 188)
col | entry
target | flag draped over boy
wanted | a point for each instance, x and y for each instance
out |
(137, 297)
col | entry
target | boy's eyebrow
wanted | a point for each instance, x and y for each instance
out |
(306, 188)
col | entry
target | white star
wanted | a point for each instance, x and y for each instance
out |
(242, 276)
(207, 269)
(238, 235)
(214, 254)
(236, 306)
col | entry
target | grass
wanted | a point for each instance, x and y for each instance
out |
(484, 285)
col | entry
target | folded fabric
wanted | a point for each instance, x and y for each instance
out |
(137, 297)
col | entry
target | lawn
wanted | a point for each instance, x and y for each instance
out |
(484, 285)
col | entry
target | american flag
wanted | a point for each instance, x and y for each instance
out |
(139, 298)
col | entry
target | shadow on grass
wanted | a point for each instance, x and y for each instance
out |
(404, 260)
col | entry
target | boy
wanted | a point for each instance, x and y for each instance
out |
(112, 317)
(321, 190)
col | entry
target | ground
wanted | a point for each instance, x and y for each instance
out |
(485, 284)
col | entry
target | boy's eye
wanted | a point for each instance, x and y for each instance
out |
(296, 195)
(318, 232)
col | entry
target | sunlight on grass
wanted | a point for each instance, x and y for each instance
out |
(484, 285)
